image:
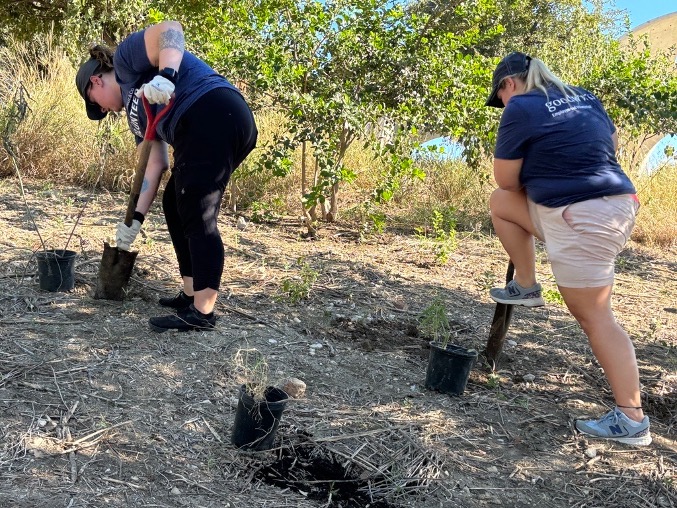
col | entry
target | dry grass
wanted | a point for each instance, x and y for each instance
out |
(656, 224)
(56, 141)
(452, 186)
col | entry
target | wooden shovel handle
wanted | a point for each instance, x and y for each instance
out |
(144, 155)
(500, 324)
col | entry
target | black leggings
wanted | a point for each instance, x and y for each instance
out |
(212, 139)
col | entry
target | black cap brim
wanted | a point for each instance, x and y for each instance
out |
(493, 99)
(94, 111)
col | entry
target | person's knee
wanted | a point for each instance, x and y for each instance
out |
(199, 207)
(592, 318)
(495, 201)
(503, 204)
(510, 207)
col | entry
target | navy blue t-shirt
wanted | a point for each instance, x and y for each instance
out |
(133, 69)
(566, 145)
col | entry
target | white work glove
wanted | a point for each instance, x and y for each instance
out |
(158, 91)
(126, 234)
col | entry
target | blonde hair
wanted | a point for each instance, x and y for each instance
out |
(539, 76)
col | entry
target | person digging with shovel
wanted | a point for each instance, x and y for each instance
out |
(559, 180)
(211, 130)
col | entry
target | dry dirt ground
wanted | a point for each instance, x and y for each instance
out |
(97, 410)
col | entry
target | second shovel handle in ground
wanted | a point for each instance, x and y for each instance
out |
(500, 324)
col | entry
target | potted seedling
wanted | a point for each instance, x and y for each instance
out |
(259, 406)
(449, 364)
(56, 267)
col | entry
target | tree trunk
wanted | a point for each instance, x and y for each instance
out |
(232, 198)
(332, 214)
(313, 209)
(308, 214)
(346, 139)
(304, 175)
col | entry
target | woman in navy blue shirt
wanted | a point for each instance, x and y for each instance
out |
(211, 130)
(559, 180)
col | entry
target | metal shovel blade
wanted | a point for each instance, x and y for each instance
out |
(114, 273)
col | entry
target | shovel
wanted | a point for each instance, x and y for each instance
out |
(499, 325)
(116, 265)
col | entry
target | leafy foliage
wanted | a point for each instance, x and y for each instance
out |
(338, 70)
(638, 90)
(75, 23)
(379, 73)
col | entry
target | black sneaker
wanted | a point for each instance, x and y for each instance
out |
(185, 320)
(180, 301)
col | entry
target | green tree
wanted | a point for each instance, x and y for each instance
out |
(74, 24)
(338, 69)
(639, 91)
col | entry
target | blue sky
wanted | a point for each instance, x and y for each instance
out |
(641, 11)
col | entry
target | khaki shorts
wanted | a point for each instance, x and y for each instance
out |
(583, 239)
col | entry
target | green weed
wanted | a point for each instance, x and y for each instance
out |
(298, 287)
(553, 296)
(265, 212)
(378, 222)
(486, 281)
(493, 381)
(522, 402)
(441, 234)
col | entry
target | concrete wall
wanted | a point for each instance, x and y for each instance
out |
(661, 31)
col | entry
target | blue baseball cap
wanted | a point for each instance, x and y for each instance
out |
(514, 63)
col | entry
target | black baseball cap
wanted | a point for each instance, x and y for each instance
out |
(86, 71)
(514, 63)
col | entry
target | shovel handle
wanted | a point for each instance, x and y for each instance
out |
(499, 324)
(144, 155)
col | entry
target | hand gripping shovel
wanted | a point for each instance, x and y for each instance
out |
(499, 325)
(116, 265)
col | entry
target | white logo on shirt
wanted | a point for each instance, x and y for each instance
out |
(133, 118)
(553, 105)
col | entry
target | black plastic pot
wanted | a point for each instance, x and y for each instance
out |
(256, 421)
(449, 368)
(56, 269)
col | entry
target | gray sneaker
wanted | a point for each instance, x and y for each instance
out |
(514, 294)
(615, 426)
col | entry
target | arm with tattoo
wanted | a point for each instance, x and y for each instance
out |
(172, 38)
(165, 44)
(158, 162)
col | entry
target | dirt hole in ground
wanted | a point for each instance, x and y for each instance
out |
(320, 475)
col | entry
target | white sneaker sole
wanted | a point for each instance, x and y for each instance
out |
(636, 441)
(534, 302)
